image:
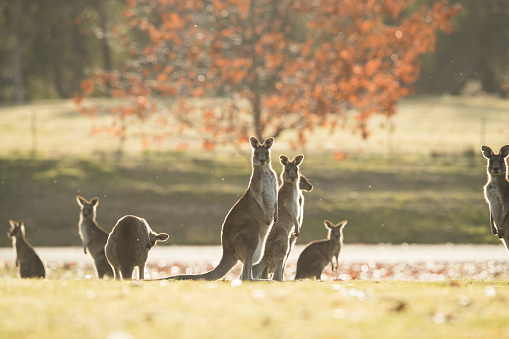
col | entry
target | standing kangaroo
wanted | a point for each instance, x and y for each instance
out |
(496, 192)
(27, 261)
(317, 254)
(289, 207)
(249, 220)
(304, 186)
(128, 245)
(94, 237)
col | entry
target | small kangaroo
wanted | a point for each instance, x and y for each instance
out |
(94, 237)
(248, 221)
(496, 192)
(27, 261)
(317, 254)
(289, 207)
(304, 186)
(128, 245)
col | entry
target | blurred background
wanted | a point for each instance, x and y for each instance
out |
(148, 105)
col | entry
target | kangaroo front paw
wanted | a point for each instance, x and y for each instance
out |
(500, 234)
(268, 220)
(494, 230)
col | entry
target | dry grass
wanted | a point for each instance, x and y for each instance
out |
(423, 125)
(367, 309)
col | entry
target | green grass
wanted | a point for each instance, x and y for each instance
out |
(419, 199)
(420, 183)
(358, 309)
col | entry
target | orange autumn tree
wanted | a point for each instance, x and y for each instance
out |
(261, 67)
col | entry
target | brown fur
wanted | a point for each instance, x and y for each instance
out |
(128, 245)
(304, 186)
(248, 221)
(93, 237)
(27, 261)
(317, 254)
(496, 191)
(289, 205)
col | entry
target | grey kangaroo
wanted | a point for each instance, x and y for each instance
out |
(27, 261)
(304, 186)
(128, 245)
(94, 237)
(317, 254)
(249, 220)
(496, 192)
(289, 199)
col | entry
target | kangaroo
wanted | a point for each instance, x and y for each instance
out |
(94, 237)
(304, 186)
(289, 206)
(317, 254)
(249, 220)
(496, 192)
(27, 261)
(128, 245)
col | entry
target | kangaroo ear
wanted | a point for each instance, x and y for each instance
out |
(342, 224)
(162, 236)
(487, 152)
(12, 223)
(81, 201)
(268, 142)
(254, 142)
(504, 151)
(328, 224)
(298, 159)
(284, 160)
(94, 201)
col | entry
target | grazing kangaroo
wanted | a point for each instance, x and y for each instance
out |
(128, 245)
(94, 237)
(304, 186)
(249, 220)
(289, 207)
(317, 254)
(496, 192)
(27, 261)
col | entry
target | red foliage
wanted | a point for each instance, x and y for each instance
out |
(299, 64)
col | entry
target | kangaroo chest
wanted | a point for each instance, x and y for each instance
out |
(289, 202)
(495, 199)
(87, 231)
(268, 190)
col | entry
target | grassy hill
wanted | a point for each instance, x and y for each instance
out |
(420, 181)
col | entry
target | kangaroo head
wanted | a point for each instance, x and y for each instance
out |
(155, 237)
(291, 170)
(261, 152)
(17, 229)
(152, 237)
(335, 230)
(496, 162)
(305, 184)
(88, 208)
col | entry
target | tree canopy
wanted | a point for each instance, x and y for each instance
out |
(277, 64)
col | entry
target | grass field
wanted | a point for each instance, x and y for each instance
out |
(418, 182)
(358, 309)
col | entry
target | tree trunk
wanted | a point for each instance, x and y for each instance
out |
(17, 71)
(105, 48)
(257, 109)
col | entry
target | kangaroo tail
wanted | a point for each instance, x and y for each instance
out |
(225, 265)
